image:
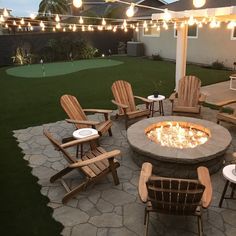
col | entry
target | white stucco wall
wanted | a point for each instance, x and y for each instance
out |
(211, 45)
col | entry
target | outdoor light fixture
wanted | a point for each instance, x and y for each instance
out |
(77, 3)
(130, 10)
(199, 3)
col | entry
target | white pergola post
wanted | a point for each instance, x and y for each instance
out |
(181, 53)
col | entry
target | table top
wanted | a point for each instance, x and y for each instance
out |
(83, 133)
(229, 173)
(233, 76)
(159, 98)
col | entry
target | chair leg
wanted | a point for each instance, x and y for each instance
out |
(223, 193)
(232, 191)
(109, 131)
(60, 174)
(146, 222)
(73, 192)
(113, 171)
(200, 228)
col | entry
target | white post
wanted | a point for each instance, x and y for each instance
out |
(181, 53)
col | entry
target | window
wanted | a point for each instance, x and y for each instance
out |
(192, 32)
(233, 35)
(152, 32)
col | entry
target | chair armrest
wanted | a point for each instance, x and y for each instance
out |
(82, 122)
(224, 103)
(145, 174)
(204, 178)
(173, 96)
(119, 104)
(101, 157)
(102, 111)
(202, 98)
(143, 99)
(79, 141)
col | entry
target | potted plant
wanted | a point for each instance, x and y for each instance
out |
(156, 86)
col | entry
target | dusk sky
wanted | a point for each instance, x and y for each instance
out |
(25, 7)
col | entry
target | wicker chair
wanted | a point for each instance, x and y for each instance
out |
(175, 196)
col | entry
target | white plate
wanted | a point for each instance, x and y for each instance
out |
(85, 132)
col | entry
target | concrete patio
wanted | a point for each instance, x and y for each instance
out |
(104, 209)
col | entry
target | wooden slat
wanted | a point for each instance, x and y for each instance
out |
(92, 166)
(204, 178)
(73, 109)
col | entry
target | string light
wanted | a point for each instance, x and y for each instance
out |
(53, 29)
(145, 24)
(167, 15)
(81, 21)
(74, 28)
(6, 26)
(103, 22)
(231, 25)
(130, 10)
(199, 3)
(64, 29)
(191, 21)
(57, 18)
(58, 26)
(5, 12)
(115, 28)
(41, 24)
(83, 28)
(77, 3)
(165, 26)
(125, 24)
(136, 29)
(22, 21)
(32, 16)
(2, 19)
(14, 22)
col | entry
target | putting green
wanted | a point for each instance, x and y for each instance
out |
(59, 68)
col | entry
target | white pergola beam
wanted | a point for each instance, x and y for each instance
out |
(181, 54)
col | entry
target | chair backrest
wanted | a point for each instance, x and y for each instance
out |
(123, 93)
(73, 109)
(174, 196)
(58, 147)
(189, 91)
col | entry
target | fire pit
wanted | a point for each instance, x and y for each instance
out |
(176, 146)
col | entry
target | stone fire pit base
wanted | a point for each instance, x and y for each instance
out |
(174, 162)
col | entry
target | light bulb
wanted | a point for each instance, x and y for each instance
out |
(6, 26)
(125, 24)
(14, 22)
(199, 3)
(145, 24)
(31, 28)
(83, 28)
(22, 21)
(114, 29)
(136, 29)
(29, 24)
(32, 16)
(130, 10)
(81, 21)
(64, 29)
(57, 18)
(103, 21)
(5, 12)
(2, 19)
(41, 24)
(70, 27)
(53, 29)
(74, 28)
(167, 15)
(58, 26)
(191, 21)
(77, 3)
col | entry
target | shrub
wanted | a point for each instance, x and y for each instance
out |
(217, 65)
(157, 57)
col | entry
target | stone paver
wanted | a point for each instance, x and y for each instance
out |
(108, 210)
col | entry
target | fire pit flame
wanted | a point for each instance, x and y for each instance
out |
(178, 134)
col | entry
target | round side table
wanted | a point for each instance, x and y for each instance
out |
(159, 99)
(83, 133)
(229, 173)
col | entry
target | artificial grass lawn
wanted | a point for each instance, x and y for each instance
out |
(59, 68)
(29, 102)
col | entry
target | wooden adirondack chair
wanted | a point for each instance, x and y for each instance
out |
(175, 196)
(226, 117)
(95, 164)
(78, 117)
(124, 99)
(188, 99)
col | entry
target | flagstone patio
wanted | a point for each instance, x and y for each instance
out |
(104, 209)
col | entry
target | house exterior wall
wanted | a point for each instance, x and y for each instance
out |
(209, 46)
